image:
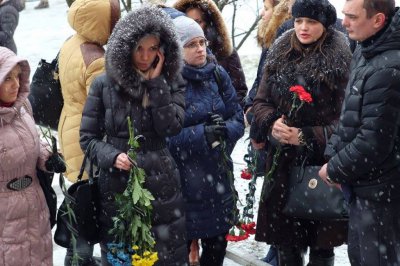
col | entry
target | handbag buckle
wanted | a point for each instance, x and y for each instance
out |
(21, 183)
(312, 184)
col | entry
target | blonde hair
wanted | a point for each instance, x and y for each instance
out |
(267, 30)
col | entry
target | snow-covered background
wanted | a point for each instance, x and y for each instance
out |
(41, 33)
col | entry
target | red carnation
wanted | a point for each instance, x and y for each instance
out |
(231, 236)
(250, 228)
(246, 174)
(301, 93)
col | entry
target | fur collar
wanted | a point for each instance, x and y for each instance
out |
(216, 32)
(127, 33)
(314, 68)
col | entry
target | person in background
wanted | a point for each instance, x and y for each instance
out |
(81, 59)
(142, 81)
(317, 57)
(42, 4)
(207, 14)
(273, 14)
(364, 149)
(25, 230)
(212, 116)
(9, 17)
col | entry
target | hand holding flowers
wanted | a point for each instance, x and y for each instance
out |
(284, 133)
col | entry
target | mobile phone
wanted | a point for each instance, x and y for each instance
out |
(155, 62)
(157, 59)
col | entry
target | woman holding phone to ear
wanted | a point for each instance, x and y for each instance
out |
(150, 91)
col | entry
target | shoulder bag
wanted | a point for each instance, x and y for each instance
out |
(310, 198)
(82, 198)
(45, 94)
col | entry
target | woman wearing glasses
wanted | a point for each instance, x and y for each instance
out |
(212, 118)
(207, 14)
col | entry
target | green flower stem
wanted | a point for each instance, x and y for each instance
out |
(52, 141)
(269, 176)
(132, 224)
(225, 166)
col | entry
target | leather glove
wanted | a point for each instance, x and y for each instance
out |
(55, 163)
(214, 133)
(216, 119)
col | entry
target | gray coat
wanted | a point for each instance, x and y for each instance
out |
(9, 16)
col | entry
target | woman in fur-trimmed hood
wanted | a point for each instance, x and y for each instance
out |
(207, 14)
(142, 81)
(317, 57)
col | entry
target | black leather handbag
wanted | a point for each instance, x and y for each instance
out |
(82, 198)
(309, 197)
(45, 180)
(45, 94)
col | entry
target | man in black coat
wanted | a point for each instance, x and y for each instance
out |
(365, 149)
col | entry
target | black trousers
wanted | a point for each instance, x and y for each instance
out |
(374, 233)
(294, 256)
(213, 250)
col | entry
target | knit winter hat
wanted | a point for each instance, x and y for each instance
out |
(187, 29)
(320, 10)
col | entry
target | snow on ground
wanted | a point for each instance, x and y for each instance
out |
(41, 33)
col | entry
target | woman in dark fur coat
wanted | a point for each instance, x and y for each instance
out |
(143, 81)
(317, 57)
(207, 14)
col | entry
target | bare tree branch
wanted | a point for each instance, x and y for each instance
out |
(247, 34)
(233, 23)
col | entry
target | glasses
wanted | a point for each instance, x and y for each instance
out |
(193, 45)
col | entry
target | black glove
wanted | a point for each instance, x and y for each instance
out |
(216, 119)
(55, 163)
(214, 133)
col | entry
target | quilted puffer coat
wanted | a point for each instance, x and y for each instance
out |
(25, 234)
(81, 60)
(119, 94)
(206, 188)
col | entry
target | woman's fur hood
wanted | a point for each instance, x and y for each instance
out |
(315, 68)
(216, 32)
(125, 37)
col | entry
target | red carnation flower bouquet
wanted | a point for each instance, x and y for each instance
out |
(299, 97)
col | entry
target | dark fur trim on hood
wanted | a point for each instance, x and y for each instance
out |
(216, 32)
(312, 70)
(126, 35)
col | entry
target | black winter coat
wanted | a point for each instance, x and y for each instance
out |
(365, 148)
(324, 76)
(120, 93)
(9, 17)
